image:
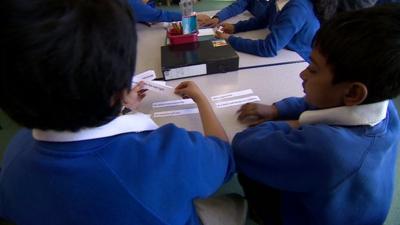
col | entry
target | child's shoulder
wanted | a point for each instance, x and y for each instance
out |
(303, 8)
(301, 5)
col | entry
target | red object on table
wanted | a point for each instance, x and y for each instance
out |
(176, 38)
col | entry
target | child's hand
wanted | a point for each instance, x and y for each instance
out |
(209, 22)
(189, 89)
(222, 35)
(228, 28)
(132, 99)
(203, 20)
(253, 113)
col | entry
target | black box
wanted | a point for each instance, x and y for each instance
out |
(198, 58)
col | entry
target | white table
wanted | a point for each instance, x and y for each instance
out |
(150, 40)
(249, 61)
(270, 83)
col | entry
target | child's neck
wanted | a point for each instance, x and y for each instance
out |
(280, 4)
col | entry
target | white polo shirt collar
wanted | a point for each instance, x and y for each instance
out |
(133, 122)
(280, 4)
(369, 114)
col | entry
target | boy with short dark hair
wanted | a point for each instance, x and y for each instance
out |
(66, 71)
(257, 8)
(291, 24)
(329, 157)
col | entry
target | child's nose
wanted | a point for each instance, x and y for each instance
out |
(303, 74)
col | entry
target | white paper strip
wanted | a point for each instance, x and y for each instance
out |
(188, 101)
(232, 94)
(147, 75)
(161, 82)
(206, 31)
(238, 101)
(176, 112)
(154, 86)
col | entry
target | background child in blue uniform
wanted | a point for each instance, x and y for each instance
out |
(292, 25)
(66, 70)
(349, 5)
(258, 8)
(380, 2)
(329, 157)
(147, 12)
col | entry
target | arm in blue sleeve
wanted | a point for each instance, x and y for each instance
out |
(205, 162)
(146, 13)
(233, 9)
(291, 108)
(299, 160)
(284, 28)
(250, 24)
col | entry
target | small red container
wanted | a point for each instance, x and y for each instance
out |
(176, 39)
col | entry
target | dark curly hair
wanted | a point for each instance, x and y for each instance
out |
(325, 9)
(65, 63)
(364, 46)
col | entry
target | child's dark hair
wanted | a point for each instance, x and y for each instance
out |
(65, 63)
(325, 9)
(364, 46)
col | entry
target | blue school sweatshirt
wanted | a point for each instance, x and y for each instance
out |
(293, 28)
(146, 13)
(145, 178)
(380, 2)
(258, 8)
(326, 174)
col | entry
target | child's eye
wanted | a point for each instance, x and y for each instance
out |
(311, 69)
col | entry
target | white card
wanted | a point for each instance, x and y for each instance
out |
(153, 86)
(231, 95)
(188, 101)
(220, 29)
(206, 31)
(147, 75)
(176, 112)
(158, 86)
(161, 82)
(238, 101)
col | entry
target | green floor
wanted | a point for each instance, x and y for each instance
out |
(202, 5)
(8, 128)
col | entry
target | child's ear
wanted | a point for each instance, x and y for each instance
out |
(116, 98)
(356, 93)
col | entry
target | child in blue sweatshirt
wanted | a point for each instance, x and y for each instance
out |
(147, 12)
(349, 5)
(258, 8)
(66, 70)
(381, 2)
(329, 157)
(292, 25)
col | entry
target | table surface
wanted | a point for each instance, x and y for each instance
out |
(270, 83)
(150, 40)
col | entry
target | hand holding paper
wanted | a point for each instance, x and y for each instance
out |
(211, 125)
(189, 89)
(133, 97)
(148, 83)
(222, 35)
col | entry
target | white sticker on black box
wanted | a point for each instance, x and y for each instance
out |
(186, 71)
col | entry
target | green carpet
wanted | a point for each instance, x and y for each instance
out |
(202, 5)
